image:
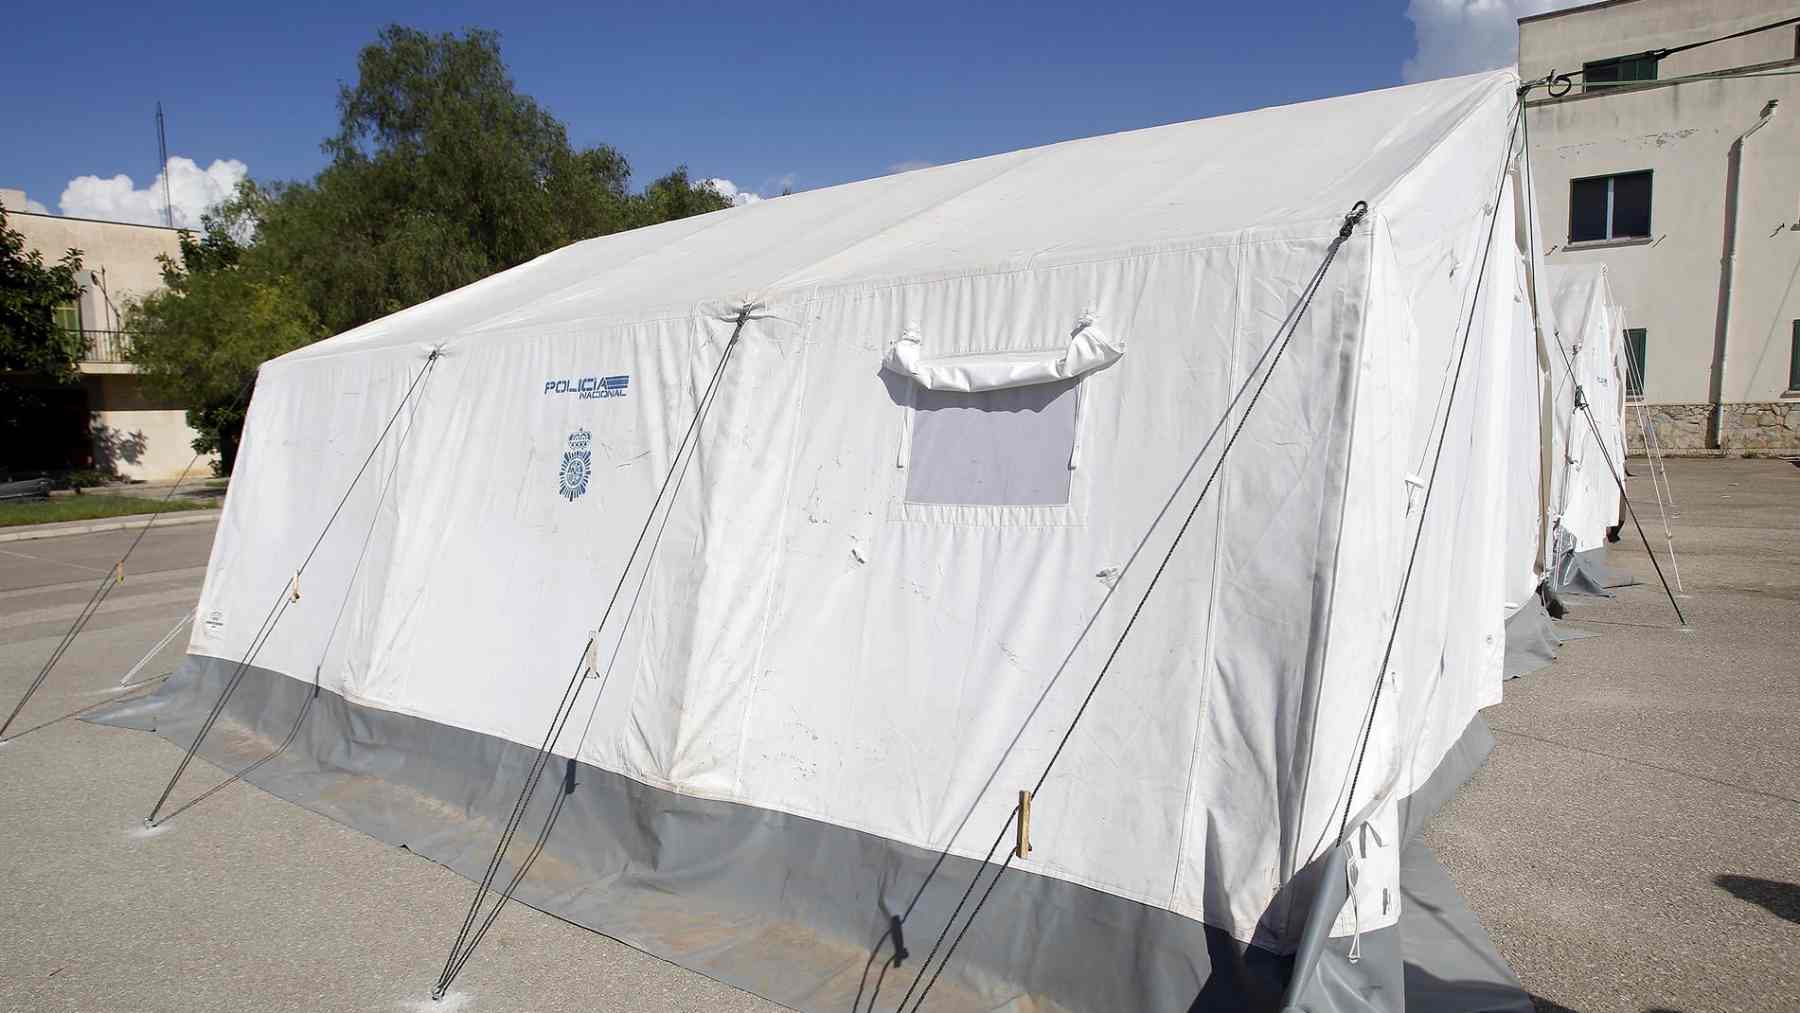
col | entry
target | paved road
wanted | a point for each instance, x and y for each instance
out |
(1633, 845)
(83, 559)
(247, 902)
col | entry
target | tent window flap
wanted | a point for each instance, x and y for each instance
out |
(998, 428)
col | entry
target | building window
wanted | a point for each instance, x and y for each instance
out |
(1618, 70)
(1635, 340)
(1794, 360)
(1610, 207)
(68, 316)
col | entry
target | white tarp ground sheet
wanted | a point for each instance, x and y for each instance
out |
(822, 632)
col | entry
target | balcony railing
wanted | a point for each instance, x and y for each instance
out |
(104, 346)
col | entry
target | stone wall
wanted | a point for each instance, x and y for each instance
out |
(1768, 425)
(1754, 425)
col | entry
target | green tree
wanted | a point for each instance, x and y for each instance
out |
(201, 338)
(675, 196)
(440, 174)
(30, 291)
(36, 355)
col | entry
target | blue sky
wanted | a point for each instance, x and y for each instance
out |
(782, 94)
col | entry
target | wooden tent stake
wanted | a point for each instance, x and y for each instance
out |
(1022, 847)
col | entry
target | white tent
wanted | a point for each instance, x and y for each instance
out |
(961, 416)
(1531, 637)
(1588, 363)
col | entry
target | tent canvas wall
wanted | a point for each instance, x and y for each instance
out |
(1532, 639)
(1537, 474)
(965, 411)
(1587, 360)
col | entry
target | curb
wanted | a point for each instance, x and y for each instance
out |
(27, 532)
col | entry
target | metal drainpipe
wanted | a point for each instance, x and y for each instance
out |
(1734, 165)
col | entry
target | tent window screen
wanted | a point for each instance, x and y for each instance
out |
(1008, 447)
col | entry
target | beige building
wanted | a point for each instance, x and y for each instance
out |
(1675, 160)
(129, 432)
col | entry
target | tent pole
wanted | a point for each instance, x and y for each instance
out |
(186, 618)
(1657, 484)
(1581, 403)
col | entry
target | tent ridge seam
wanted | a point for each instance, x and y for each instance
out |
(1443, 139)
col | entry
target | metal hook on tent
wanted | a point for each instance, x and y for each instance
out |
(1358, 211)
(1550, 82)
(1414, 484)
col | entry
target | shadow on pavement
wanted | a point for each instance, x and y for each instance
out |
(1780, 899)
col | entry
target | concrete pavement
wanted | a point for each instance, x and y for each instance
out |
(1633, 844)
(245, 902)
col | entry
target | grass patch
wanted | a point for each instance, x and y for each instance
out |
(87, 507)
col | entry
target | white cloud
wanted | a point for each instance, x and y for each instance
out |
(739, 196)
(909, 165)
(1464, 36)
(732, 192)
(192, 191)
